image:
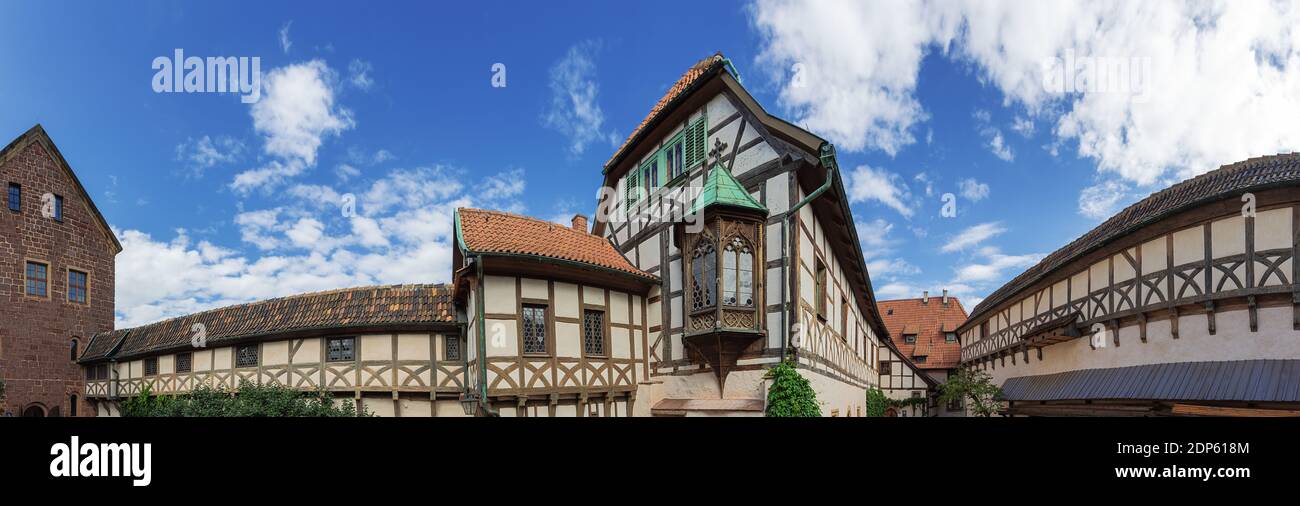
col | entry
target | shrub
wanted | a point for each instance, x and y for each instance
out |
(790, 394)
(877, 403)
(251, 400)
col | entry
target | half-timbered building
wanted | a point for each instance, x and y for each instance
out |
(1186, 302)
(924, 330)
(744, 219)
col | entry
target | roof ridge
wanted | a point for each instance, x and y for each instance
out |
(530, 218)
(275, 299)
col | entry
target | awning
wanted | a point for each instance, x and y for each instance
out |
(1238, 380)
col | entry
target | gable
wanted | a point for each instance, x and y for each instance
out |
(37, 135)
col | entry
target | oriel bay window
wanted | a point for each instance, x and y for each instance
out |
(723, 267)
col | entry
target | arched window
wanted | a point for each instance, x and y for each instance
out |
(704, 275)
(72, 352)
(738, 274)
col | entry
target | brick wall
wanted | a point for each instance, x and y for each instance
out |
(35, 332)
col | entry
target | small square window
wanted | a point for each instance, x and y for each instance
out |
(920, 359)
(77, 282)
(884, 368)
(246, 356)
(909, 338)
(184, 362)
(37, 280)
(950, 337)
(451, 347)
(340, 349)
(15, 197)
(151, 366)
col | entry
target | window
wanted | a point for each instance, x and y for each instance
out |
(37, 279)
(15, 197)
(151, 366)
(58, 208)
(340, 349)
(72, 352)
(884, 367)
(696, 139)
(844, 318)
(650, 175)
(632, 189)
(77, 286)
(184, 362)
(593, 332)
(950, 337)
(101, 371)
(738, 274)
(72, 405)
(534, 328)
(673, 159)
(246, 356)
(920, 359)
(451, 347)
(909, 338)
(704, 277)
(820, 290)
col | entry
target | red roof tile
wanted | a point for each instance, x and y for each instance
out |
(484, 231)
(928, 322)
(676, 89)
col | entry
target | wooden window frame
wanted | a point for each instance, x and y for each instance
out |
(14, 197)
(85, 288)
(446, 349)
(604, 332)
(47, 295)
(145, 366)
(189, 366)
(352, 349)
(257, 355)
(548, 328)
(909, 338)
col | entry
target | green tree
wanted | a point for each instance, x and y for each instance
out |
(790, 394)
(976, 388)
(251, 400)
(877, 403)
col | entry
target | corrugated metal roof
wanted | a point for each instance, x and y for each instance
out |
(1237, 380)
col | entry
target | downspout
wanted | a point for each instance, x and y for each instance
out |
(828, 161)
(481, 336)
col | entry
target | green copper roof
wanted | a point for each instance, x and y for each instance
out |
(723, 189)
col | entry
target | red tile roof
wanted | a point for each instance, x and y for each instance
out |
(927, 321)
(370, 306)
(483, 231)
(676, 89)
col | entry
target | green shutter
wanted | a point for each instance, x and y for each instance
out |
(630, 188)
(698, 140)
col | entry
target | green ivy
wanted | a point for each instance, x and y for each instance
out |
(878, 403)
(252, 400)
(790, 394)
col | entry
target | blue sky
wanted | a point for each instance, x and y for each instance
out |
(219, 202)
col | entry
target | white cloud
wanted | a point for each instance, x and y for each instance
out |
(345, 172)
(296, 112)
(206, 152)
(285, 43)
(1102, 200)
(1216, 82)
(972, 236)
(992, 136)
(574, 110)
(403, 233)
(359, 74)
(973, 190)
(1023, 126)
(927, 181)
(993, 266)
(867, 183)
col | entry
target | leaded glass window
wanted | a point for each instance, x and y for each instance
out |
(151, 366)
(184, 362)
(451, 347)
(738, 274)
(340, 349)
(704, 275)
(246, 356)
(534, 328)
(593, 332)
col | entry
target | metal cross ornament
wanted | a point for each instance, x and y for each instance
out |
(718, 148)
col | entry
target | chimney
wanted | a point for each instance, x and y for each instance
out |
(945, 296)
(925, 297)
(580, 223)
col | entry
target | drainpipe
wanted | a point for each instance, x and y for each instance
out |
(828, 161)
(482, 336)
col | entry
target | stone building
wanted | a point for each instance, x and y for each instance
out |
(56, 278)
